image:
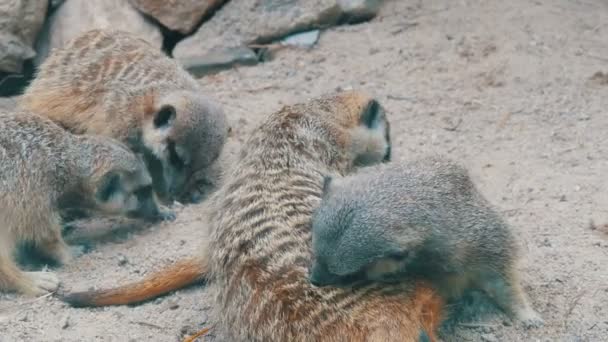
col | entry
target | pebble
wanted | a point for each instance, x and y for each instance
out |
(65, 322)
(122, 260)
(24, 317)
(489, 338)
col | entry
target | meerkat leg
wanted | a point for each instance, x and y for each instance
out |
(14, 279)
(53, 246)
(508, 293)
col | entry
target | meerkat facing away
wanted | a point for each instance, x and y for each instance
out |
(114, 84)
(423, 218)
(256, 261)
(44, 169)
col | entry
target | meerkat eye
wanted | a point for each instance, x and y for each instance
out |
(371, 116)
(164, 116)
(109, 185)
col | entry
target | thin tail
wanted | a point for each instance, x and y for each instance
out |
(179, 275)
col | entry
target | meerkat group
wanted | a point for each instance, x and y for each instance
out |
(277, 237)
(114, 84)
(109, 125)
(44, 169)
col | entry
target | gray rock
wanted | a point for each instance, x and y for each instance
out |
(65, 322)
(182, 16)
(304, 39)
(244, 23)
(56, 3)
(20, 23)
(221, 58)
(489, 338)
(7, 103)
(75, 17)
(359, 10)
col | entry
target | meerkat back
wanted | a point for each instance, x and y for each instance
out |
(114, 84)
(423, 218)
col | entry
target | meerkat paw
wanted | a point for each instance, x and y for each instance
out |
(530, 318)
(41, 283)
(166, 214)
(77, 251)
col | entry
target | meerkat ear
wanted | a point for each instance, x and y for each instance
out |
(326, 184)
(164, 117)
(372, 114)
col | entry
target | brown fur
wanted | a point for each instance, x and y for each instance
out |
(44, 170)
(260, 247)
(114, 84)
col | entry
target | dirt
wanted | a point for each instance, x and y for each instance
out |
(510, 88)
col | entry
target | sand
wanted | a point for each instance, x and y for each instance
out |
(515, 90)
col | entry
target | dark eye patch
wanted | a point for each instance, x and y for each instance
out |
(109, 185)
(164, 116)
(174, 158)
(143, 192)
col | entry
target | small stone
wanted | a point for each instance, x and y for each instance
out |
(172, 305)
(563, 198)
(489, 338)
(65, 322)
(304, 39)
(185, 330)
(546, 243)
(122, 260)
(218, 59)
(24, 317)
(359, 10)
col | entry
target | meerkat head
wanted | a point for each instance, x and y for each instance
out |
(357, 126)
(183, 134)
(117, 181)
(352, 243)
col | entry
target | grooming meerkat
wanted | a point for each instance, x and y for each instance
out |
(257, 260)
(114, 84)
(44, 169)
(422, 218)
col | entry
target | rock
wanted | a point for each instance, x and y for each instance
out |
(20, 23)
(304, 39)
(75, 17)
(122, 260)
(359, 10)
(65, 322)
(219, 59)
(56, 3)
(8, 103)
(489, 338)
(239, 25)
(24, 317)
(182, 16)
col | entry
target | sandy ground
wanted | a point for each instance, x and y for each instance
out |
(508, 87)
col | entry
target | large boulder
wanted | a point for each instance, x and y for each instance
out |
(74, 17)
(20, 23)
(182, 16)
(240, 24)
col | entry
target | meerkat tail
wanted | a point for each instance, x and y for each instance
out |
(432, 312)
(179, 275)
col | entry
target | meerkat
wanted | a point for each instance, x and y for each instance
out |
(257, 258)
(112, 83)
(44, 169)
(421, 218)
